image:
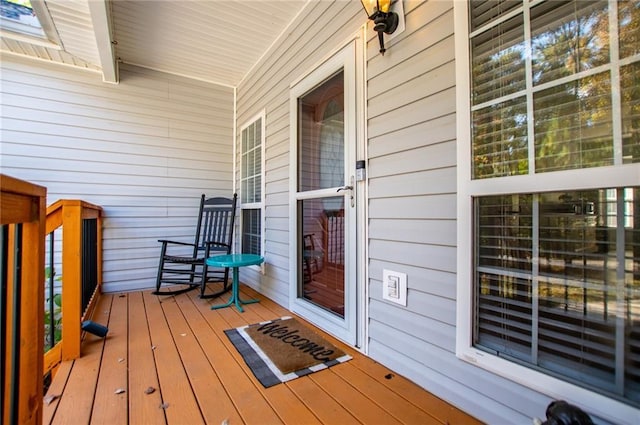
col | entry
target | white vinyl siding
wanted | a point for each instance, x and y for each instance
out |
(144, 150)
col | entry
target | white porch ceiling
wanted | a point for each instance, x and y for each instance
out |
(211, 40)
(217, 41)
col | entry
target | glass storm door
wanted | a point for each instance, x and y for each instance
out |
(323, 204)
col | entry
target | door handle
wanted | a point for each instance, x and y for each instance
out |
(350, 189)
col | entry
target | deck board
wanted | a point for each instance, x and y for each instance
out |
(234, 384)
(279, 397)
(179, 401)
(355, 402)
(177, 345)
(143, 407)
(243, 388)
(110, 406)
(55, 389)
(76, 401)
(395, 404)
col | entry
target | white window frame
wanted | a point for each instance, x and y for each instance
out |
(617, 175)
(254, 205)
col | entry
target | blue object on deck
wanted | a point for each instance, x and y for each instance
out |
(95, 328)
(235, 261)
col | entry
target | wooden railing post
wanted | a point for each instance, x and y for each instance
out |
(71, 279)
(22, 215)
(71, 216)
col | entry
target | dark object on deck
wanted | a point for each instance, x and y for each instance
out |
(562, 413)
(95, 328)
(214, 235)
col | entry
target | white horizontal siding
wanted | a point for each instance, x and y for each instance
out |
(144, 150)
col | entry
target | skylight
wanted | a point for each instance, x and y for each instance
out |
(18, 16)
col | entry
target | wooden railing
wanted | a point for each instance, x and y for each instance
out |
(81, 262)
(25, 225)
(22, 234)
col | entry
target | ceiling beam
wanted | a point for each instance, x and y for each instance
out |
(101, 18)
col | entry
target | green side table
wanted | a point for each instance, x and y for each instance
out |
(235, 261)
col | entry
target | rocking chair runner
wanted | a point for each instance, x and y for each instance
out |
(214, 235)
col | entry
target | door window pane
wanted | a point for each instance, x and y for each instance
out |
(321, 136)
(322, 254)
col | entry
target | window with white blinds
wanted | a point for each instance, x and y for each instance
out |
(555, 88)
(251, 184)
(554, 105)
(558, 285)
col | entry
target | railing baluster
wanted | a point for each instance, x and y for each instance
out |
(4, 259)
(89, 260)
(52, 327)
(16, 322)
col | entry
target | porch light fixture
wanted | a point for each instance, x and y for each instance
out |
(384, 21)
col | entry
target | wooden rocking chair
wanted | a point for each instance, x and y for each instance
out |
(214, 236)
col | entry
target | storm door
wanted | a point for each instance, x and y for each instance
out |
(324, 197)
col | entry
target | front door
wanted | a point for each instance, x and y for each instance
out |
(323, 204)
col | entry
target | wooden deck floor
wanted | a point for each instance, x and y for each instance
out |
(176, 346)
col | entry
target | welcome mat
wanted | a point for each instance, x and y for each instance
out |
(283, 349)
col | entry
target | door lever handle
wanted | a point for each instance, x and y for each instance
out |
(345, 188)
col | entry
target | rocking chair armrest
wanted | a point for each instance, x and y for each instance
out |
(165, 241)
(209, 243)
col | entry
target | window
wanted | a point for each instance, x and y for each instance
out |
(251, 185)
(549, 198)
(28, 20)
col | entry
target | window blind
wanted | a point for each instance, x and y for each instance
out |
(251, 236)
(483, 12)
(574, 124)
(547, 286)
(630, 93)
(498, 67)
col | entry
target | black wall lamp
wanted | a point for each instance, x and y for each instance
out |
(384, 20)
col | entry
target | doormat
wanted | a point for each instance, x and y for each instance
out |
(283, 349)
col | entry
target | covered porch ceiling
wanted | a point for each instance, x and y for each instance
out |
(217, 41)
